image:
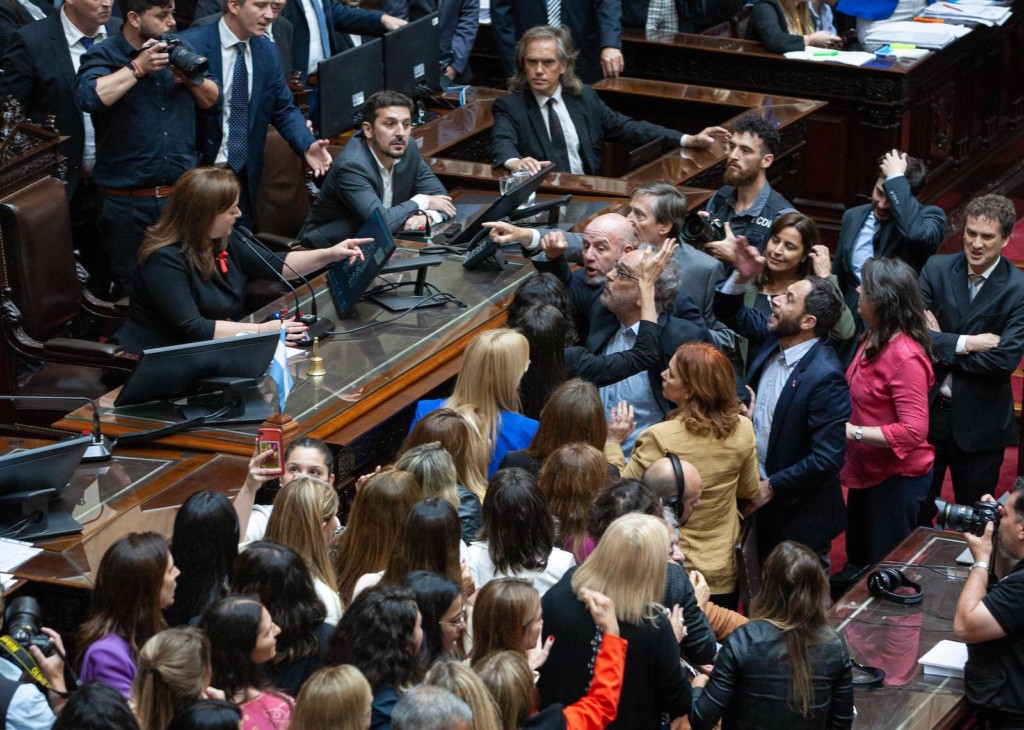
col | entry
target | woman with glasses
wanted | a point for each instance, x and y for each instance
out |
(444, 616)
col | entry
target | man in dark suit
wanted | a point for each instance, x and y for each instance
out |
(893, 225)
(554, 117)
(378, 169)
(609, 334)
(975, 303)
(239, 54)
(458, 22)
(595, 27)
(15, 14)
(800, 411)
(39, 71)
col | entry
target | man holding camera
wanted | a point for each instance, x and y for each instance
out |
(24, 705)
(144, 110)
(990, 620)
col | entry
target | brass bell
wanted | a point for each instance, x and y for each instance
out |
(316, 363)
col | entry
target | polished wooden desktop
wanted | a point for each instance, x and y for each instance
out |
(893, 637)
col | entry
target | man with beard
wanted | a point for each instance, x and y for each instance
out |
(746, 201)
(893, 225)
(378, 170)
(800, 410)
(144, 114)
(988, 618)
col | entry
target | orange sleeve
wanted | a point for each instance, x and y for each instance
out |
(601, 703)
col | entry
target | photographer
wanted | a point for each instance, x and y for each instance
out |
(144, 111)
(24, 705)
(990, 619)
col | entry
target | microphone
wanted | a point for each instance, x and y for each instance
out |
(100, 448)
(318, 326)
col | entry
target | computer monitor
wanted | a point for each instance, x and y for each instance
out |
(29, 480)
(348, 281)
(502, 207)
(412, 59)
(230, 365)
(346, 81)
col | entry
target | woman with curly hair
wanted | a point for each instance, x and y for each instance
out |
(242, 636)
(282, 581)
(136, 580)
(706, 430)
(380, 635)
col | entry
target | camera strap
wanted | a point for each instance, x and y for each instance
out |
(19, 656)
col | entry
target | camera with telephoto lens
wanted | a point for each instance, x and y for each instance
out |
(961, 518)
(190, 63)
(22, 621)
(698, 230)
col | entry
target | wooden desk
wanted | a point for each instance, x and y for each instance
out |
(373, 374)
(140, 489)
(893, 637)
(960, 109)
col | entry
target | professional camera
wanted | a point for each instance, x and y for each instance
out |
(22, 621)
(698, 230)
(961, 518)
(190, 63)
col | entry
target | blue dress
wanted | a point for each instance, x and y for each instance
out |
(515, 432)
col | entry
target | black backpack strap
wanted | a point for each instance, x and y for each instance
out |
(7, 689)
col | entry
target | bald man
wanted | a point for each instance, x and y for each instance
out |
(680, 495)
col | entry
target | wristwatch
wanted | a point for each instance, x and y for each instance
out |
(858, 434)
(980, 564)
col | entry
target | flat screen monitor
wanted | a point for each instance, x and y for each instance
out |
(502, 207)
(347, 80)
(29, 479)
(412, 57)
(347, 281)
(169, 373)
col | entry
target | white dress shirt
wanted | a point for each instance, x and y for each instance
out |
(74, 38)
(316, 41)
(946, 389)
(572, 137)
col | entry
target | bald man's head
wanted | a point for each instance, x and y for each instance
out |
(661, 477)
(605, 239)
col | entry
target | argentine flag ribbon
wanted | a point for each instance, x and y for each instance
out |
(279, 371)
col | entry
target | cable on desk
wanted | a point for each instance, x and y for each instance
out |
(438, 296)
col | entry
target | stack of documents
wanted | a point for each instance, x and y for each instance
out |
(922, 35)
(850, 58)
(946, 659)
(980, 12)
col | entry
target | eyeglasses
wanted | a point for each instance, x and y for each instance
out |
(457, 622)
(619, 271)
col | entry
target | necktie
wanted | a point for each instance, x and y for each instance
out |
(87, 42)
(321, 22)
(555, 13)
(560, 158)
(974, 282)
(238, 112)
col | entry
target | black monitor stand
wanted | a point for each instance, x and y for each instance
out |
(27, 516)
(240, 396)
(419, 297)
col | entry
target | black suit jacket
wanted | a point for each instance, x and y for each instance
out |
(353, 188)
(594, 24)
(282, 31)
(519, 129)
(13, 16)
(768, 25)
(674, 332)
(39, 74)
(807, 442)
(343, 19)
(912, 234)
(458, 22)
(982, 407)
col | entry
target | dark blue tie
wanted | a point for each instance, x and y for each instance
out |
(238, 112)
(86, 42)
(321, 22)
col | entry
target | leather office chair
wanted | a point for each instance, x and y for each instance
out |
(44, 295)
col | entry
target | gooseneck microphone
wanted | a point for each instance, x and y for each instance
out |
(318, 326)
(100, 448)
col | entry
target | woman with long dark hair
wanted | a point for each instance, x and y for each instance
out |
(888, 459)
(787, 668)
(380, 635)
(507, 617)
(193, 268)
(518, 538)
(706, 430)
(280, 578)
(208, 715)
(204, 545)
(242, 637)
(443, 612)
(135, 582)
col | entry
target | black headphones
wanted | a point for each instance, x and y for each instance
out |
(884, 583)
(869, 678)
(676, 502)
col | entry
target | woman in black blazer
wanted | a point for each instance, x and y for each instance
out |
(786, 25)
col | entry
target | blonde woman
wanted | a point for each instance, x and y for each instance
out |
(787, 25)
(335, 698)
(463, 682)
(493, 364)
(434, 468)
(305, 518)
(174, 672)
(628, 566)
